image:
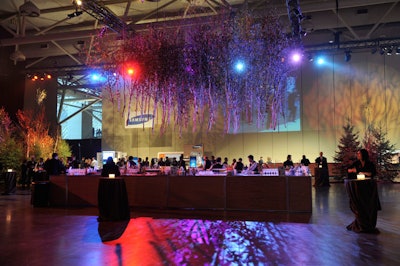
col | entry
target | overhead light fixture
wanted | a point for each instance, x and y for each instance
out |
(347, 56)
(398, 50)
(75, 14)
(389, 51)
(29, 9)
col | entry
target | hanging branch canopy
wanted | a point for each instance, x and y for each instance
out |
(236, 65)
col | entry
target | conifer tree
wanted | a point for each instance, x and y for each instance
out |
(380, 150)
(348, 146)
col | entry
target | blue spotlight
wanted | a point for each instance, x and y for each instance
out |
(96, 77)
(240, 66)
(320, 60)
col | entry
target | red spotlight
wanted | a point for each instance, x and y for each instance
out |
(131, 70)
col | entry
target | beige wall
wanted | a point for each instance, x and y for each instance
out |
(365, 90)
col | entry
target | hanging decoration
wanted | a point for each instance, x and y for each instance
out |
(234, 69)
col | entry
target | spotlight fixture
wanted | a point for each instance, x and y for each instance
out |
(39, 76)
(389, 51)
(398, 50)
(75, 14)
(347, 56)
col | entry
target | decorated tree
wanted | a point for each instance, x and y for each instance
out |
(380, 150)
(347, 148)
(36, 135)
(35, 130)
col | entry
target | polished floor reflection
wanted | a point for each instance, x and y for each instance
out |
(48, 236)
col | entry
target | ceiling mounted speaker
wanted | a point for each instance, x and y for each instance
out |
(17, 56)
(29, 9)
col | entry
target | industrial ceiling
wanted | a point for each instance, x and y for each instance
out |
(46, 34)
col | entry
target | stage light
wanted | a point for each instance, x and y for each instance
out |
(75, 14)
(131, 70)
(97, 77)
(296, 57)
(48, 76)
(347, 56)
(240, 66)
(320, 60)
(398, 50)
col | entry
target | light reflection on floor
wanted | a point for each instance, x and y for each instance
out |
(204, 242)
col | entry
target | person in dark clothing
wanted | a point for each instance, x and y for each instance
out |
(288, 163)
(305, 161)
(24, 174)
(363, 165)
(239, 166)
(321, 161)
(182, 163)
(31, 173)
(218, 164)
(207, 163)
(110, 168)
(54, 166)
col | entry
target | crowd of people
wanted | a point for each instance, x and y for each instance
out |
(30, 169)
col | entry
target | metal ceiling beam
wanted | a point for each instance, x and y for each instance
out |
(72, 35)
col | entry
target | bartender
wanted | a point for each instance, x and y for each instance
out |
(253, 166)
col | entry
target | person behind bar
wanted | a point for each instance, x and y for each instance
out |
(304, 161)
(253, 165)
(110, 168)
(288, 163)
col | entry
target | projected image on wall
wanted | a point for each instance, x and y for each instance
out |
(288, 120)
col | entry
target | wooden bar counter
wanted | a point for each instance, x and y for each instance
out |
(226, 193)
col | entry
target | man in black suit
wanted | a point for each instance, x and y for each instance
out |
(321, 161)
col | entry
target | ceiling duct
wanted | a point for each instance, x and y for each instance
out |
(17, 56)
(29, 9)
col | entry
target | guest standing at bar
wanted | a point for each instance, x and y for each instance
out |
(363, 165)
(54, 166)
(363, 195)
(110, 168)
(239, 166)
(206, 163)
(217, 165)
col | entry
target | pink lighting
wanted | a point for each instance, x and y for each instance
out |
(296, 57)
